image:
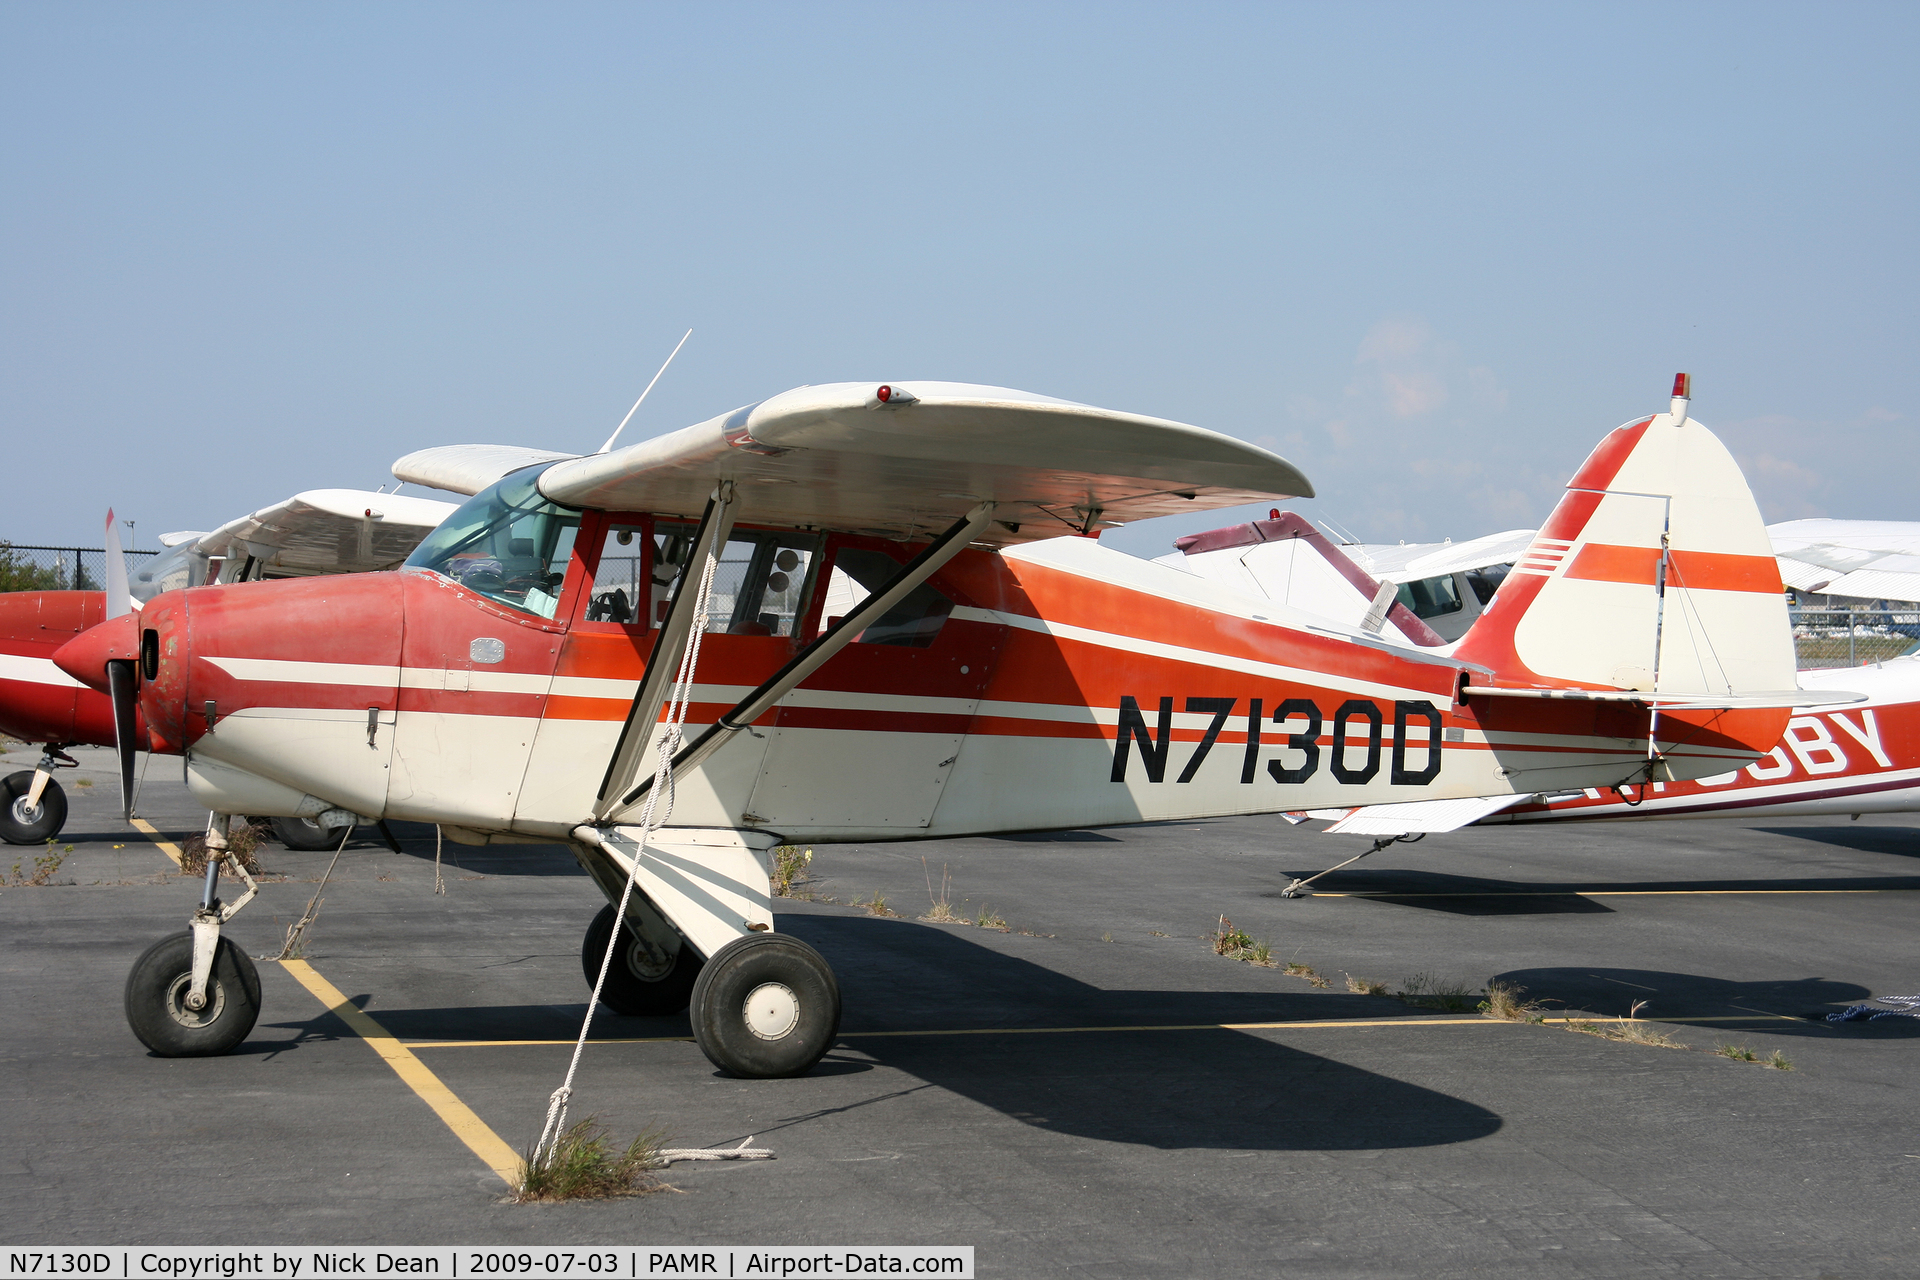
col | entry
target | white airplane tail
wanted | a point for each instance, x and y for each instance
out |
(1654, 573)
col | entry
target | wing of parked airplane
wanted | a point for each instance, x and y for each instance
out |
(328, 531)
(907, 459)
(1865, 559)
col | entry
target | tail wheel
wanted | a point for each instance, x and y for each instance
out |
(305, 834)
(157, 999)
(766, 1006)
(643, 981)
(36, 824)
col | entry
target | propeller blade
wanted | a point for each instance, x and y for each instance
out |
(124, 687)
(119, 597)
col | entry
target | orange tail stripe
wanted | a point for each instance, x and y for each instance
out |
(1695, 570)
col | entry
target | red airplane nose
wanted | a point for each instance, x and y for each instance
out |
(85, 657)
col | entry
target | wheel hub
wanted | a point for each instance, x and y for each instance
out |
(772, 1010)
(25, 814)
(648, 962)
(203, 1016)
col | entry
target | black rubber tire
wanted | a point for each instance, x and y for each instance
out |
(159, 982)
(39, 828)
(747, 969)
(629, 989)
(306, 834)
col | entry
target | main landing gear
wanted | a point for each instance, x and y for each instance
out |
(765, 1006)
(33, 808)
(195, 994)
(645, 980)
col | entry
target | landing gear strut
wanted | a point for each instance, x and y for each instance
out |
(645, 979)
(33, 808)
(195, 994)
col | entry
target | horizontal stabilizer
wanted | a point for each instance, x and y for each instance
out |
(905, 459)
(1690, 701)
(1421, 816)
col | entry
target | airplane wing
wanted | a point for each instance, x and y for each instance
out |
(329, 531)
(1421, 816)
(468, 468)
(847, 457)
(1868, 559)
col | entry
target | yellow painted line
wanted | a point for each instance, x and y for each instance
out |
(455, 1114)
(1605, 893)
(1461, 1021)
(148, 830)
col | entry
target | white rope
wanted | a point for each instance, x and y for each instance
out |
(678, 703)
(1904, 1007)
(298, 930)
(741, 1152)
(439, 885)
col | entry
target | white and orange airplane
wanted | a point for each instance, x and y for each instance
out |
(860, 601)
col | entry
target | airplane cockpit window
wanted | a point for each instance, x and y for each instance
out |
(506, 542)
(1486, 580)
(178, 566)
(618, 594)
(759, 586)
(912, 624)
(1431, 597)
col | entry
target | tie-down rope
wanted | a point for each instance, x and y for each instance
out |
(677, 704)
(1908, 1007)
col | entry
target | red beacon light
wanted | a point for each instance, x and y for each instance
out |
(1682, 392)
(892, 395)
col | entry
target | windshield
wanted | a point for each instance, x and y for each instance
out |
(507, 543)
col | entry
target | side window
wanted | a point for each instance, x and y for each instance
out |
(759, 586)
(1431, 597)
(1487, 580)
(619, 591)
(913, 623)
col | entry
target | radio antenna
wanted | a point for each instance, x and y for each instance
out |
(608, 446)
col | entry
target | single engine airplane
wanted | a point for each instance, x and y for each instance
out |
(982, 670)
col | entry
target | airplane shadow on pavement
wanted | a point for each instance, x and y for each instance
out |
(1799, 1005)
(1211, 1088)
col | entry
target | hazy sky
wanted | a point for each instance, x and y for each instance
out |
(1427, 252)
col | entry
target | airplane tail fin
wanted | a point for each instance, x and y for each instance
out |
(1653, 573)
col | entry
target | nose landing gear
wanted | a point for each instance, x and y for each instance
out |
(33, 808)
(195, 994)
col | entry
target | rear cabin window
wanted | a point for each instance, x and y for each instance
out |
(759, 586)
(911, 624)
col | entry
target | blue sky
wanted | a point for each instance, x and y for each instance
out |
(1429, 253)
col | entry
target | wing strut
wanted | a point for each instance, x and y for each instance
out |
(716, 522)
(829, 643)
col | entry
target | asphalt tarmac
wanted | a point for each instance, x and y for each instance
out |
(1093, 1092)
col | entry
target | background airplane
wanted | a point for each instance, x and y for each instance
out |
(320, 531)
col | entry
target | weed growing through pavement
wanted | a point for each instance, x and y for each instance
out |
(1504, 1001)
(941, 911)
(1106, 937)
(243, 843)
(989, 919)
(1426, 991)
(44, 865)
(790, 870)
(874, 906)
(1738, 1052)
(1778, 1061)
(1365, 986)
(83, 782)
(585, 1165)
(1235, 943)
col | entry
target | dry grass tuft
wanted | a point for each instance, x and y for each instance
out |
(83, 782)
(941, 911)
(1504, 1001)
(243, 842)
(1738, 1052)
(584, 1165)
(1778, 1061)
(1365, 986)
(988, 920)
(1426, 991)
(1627, 1030)
(1228, 938)
(874, 906)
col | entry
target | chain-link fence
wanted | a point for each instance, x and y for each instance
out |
(58, 568)
(1850, 637)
